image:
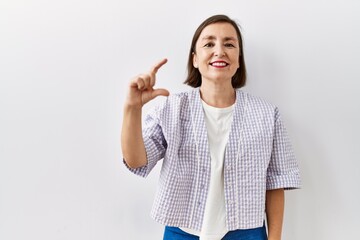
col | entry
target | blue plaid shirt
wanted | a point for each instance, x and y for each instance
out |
(258, 157)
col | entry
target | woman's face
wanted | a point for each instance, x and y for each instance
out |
(217, 53)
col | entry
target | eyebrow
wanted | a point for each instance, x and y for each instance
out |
(211, 37)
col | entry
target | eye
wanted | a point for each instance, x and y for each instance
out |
(210, 44)
(229, 45)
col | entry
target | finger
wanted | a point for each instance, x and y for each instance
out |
(136, 81)
(146, 80)
(155, 69)
(160, 92)
(140, 84)
(157, 66)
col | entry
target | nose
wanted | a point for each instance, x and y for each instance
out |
(219, 51)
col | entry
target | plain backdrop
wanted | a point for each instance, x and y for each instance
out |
(64, 70)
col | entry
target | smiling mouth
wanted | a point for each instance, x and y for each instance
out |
(219, 64)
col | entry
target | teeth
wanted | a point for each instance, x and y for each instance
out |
(219, 64)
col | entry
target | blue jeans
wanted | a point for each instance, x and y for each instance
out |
(175, 233)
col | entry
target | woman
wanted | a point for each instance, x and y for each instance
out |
(226, 155)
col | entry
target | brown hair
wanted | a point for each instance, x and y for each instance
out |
(194, 77)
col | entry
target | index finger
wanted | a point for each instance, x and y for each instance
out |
(157, 66)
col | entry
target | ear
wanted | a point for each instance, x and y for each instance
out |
(238, 61)
(195, 64)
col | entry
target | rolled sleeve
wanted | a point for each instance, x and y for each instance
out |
(154, 142)
(283, 170)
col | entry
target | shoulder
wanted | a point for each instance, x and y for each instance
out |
(256, 104)
(256, 100)
(175, 102)
(180, 95)
(176, 99)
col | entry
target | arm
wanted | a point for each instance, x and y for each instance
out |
(140, 92)
(132, 143)
(282, 174)
(274, 212)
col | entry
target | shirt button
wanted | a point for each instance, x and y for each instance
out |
(228, 168)
(202, 186)
(199, 203)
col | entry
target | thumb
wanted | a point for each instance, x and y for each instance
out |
(160, 92)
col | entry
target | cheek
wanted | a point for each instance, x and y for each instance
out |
(201, 59)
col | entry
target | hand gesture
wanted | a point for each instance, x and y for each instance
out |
(141, 88)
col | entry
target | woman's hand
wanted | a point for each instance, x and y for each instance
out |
(141, 88)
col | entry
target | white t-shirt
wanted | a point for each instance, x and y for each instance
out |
(218, 123)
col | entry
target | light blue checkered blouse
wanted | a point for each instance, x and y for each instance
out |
(258, 157)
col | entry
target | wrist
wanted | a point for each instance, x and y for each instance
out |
(272, 237)
(132, 108)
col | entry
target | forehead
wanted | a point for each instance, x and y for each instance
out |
(218, 30)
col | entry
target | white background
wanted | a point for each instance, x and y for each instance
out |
(64, 69)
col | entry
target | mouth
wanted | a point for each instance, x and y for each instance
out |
(219, 64)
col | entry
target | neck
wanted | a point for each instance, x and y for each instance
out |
(217, 95)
